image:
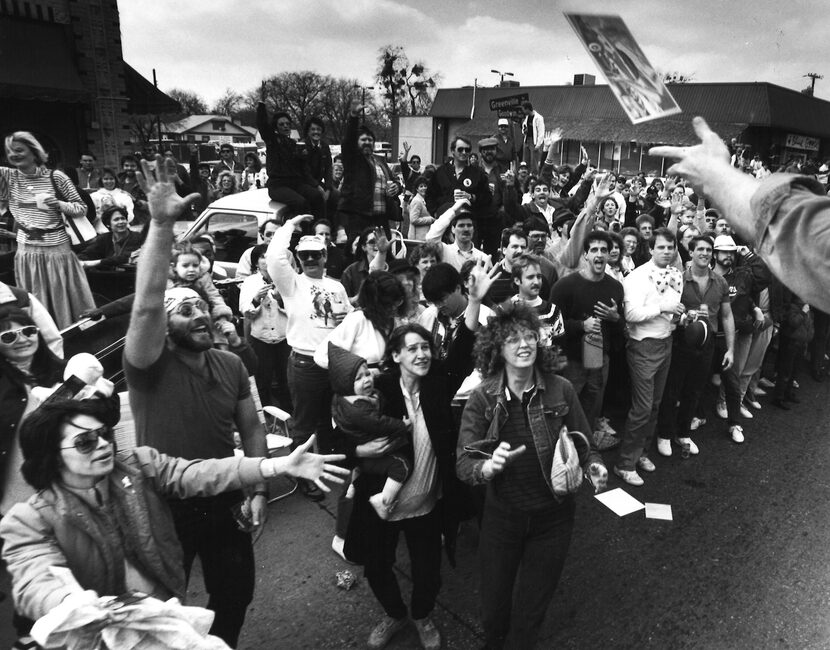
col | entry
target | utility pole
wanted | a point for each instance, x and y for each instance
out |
(363, 101)
(158, 117)
(813, 76)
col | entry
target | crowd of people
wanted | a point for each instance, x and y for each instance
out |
(435, 380)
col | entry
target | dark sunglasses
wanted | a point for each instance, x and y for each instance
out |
(87, 441)
(463, 149)
(10, 336)
(310, 255)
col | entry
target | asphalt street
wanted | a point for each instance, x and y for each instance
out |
(745, 563)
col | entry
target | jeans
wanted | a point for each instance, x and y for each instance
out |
(786, 365)
(520, 553)
(300, 199)
(688, 374)
(311, 396)
(588, 384)
(730, 388)
(272, 363)
(423, 540)
(648, 364)
(206, 527)
(755, 358)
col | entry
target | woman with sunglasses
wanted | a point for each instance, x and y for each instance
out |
(509, 429)
(25, 362)
(103, 514)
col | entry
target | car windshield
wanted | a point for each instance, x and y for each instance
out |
(233, 232)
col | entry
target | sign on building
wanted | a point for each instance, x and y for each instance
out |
(795, 141)
(510, 106)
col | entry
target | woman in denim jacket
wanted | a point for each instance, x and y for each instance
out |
(508, 433)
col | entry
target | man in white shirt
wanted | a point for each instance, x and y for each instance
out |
(533, 129)
(458, 217)
(652, 301)
(315, 305)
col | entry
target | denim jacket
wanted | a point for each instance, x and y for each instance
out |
(553, 403)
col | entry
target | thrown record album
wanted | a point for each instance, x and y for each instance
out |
(639, 88)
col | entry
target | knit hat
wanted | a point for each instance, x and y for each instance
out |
(343, 367)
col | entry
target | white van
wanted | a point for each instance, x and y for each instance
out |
(233, 222)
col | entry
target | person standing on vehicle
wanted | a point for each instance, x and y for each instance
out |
(187, 399)
(369, 194)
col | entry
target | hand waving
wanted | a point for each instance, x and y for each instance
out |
(165, 205)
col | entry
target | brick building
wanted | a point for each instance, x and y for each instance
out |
(63, 78)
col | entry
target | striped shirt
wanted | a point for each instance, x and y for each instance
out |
(22, 190)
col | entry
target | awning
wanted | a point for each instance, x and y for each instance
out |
(38, 62)
(144, 97)
(587, 129)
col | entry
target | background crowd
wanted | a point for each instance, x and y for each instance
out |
(529, 296)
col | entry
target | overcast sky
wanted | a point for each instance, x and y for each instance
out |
(209, 45)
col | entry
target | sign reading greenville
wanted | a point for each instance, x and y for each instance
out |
(801, 142)
(510, 103)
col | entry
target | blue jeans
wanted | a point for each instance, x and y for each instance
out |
(648, 365)
(525, 551)
(311, 397)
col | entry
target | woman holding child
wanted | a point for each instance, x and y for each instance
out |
(415, 387)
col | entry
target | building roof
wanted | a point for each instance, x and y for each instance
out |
(193, 122)
(144, 98)
(592, 113)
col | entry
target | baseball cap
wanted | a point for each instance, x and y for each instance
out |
(176, 296)
(725, 243)
(311, 243)
(523, 164)
(504, 122)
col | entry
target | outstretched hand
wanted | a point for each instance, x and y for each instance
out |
(700, 164)
(165, 205)
(315, 467)
(382, 241)
(479, 282)
(502, 457)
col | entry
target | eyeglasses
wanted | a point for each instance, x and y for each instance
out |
(463, 149)
(10, 336)
(188, 308)
(310, 255)
(87, 441)
(514, 340)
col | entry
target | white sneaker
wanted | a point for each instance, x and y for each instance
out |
(337, 545)
(644, 463)
(696, 423)
(760, 392)
(428, 634)
(723, 413)
(693, 448)
(629, 476)
(765, 383)
(664, 446)
(737, 432)
(384, 631)
(746, 413)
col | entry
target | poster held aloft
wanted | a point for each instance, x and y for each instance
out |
(637, 86)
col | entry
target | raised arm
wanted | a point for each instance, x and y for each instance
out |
(278, 256)
(439, 226)
(148, 323)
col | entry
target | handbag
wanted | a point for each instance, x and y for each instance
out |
(566, 470)
(79, 229)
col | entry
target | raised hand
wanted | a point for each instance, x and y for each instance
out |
(478, 283)
(165, 205)
(381, 241)
(315, 467)
(700, 164)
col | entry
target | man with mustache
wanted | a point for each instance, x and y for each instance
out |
(187, 399)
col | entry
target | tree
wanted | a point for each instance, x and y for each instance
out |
(677, 77)
(228, 104)
(408, 89)
(191, 103)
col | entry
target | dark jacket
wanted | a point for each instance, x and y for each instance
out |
(357, 191)
(471, 180)
(286, 164)
(103, 248)
(437, 389)
(320, 164)
(787, 309)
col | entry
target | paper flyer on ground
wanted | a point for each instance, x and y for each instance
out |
(637, 85)
(619, 501)
(659, 511)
